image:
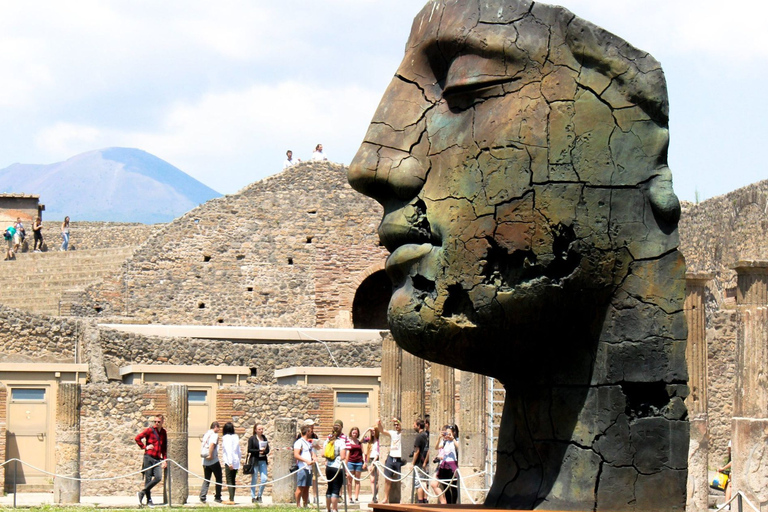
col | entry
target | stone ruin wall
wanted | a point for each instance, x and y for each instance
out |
(723, 230)
(30, 338)
(99, 235)
(121, 349)
(713, 235)
(252, 258)
(112, 415)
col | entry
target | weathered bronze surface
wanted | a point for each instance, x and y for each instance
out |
(520, 154)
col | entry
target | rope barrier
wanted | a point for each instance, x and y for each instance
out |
(382, 469)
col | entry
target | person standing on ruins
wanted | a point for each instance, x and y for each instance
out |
(209, 451)
(154, 442)
(37, 231)
(305, 456)
(18, 237)
(289, 161)
(258, 449)
(65, 234)
(318, 155)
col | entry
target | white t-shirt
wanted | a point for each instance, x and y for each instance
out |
(209, 438)
(396, 448)
(305, 453)
(318, 156)
(289, 163)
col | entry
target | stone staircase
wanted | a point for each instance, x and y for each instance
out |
(36, 282)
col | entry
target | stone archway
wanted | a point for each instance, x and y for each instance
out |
(369, 307)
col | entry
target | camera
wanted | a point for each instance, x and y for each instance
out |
(435, 460)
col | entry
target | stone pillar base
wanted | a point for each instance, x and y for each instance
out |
(750, 460)
(698, 453)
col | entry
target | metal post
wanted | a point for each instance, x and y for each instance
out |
(739, 501)
(458, 487)
(168, 468)
(316, 471)
(413, 484)
(15, 471)
(343, 482)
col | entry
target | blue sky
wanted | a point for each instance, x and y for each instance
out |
(222, 89)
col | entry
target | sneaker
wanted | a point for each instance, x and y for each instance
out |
(150, 504)
(140, 495)
(217, 500)
(258, 499)
(253, 500)
(203, 499)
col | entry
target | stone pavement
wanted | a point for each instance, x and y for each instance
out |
(36, 499)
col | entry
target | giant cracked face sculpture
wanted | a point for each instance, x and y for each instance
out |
(520, 156)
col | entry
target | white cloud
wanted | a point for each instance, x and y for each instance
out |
(67, 139)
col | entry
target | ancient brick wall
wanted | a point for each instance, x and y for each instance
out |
(722, 230)
(26, 337)
(97, 235)
(121, 349)
(250, 258)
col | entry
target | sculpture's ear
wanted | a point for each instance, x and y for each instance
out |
(636, 78)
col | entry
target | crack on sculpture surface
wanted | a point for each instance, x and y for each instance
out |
(539, 243)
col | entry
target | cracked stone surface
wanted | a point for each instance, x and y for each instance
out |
(520, 154)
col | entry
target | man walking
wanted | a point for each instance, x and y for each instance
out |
(210, 453)
(420, 452)
(154, 442)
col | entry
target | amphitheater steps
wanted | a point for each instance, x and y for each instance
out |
(35, 282)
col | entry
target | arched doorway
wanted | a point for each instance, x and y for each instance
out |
(369, 309)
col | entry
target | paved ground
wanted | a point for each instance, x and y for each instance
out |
(34, 499)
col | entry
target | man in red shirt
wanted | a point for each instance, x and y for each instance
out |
(154, 441)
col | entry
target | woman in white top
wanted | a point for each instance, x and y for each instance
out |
(230, 447)
(448, 455)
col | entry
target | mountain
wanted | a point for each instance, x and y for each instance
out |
(113, 184)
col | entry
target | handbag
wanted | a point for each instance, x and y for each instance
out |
(293, 468)
(248, 466)
(718, 481)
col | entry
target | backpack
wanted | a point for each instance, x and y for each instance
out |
(330, 450)
(205, 448)
(7, 235)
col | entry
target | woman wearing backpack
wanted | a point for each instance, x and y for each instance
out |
(334, 451)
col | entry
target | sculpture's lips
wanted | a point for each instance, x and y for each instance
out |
(401, 260)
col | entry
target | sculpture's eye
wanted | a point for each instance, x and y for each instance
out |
(471, 73)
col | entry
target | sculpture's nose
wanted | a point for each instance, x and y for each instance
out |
(392, 162)
(386, 174)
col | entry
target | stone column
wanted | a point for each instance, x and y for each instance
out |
(696, 402)
(177, 427)
(443, 404)
(391, 361)
(391, 365)
(282, 460)
(66, 491)
(472, 434)
(3, 430)
(750, 422)
(412, 387)
(752, 283)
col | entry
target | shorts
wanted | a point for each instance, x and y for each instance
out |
(17, 238)
(392, 464)
(355, 466)
(304, 477)
(418, 475)
(335, 477)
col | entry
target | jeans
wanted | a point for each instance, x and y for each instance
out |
(64, 241)
(215, 470)
(259, 469)
(152, 476)
(230, 474)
